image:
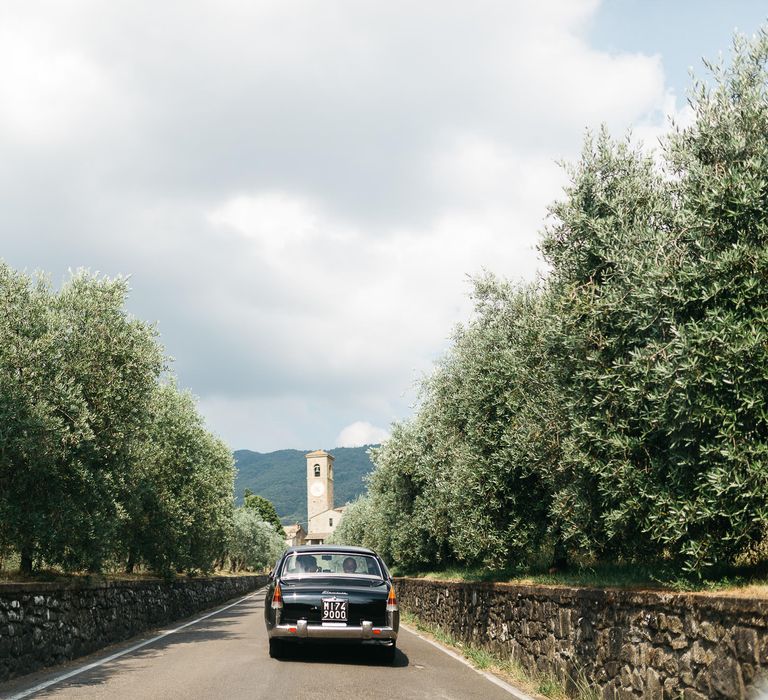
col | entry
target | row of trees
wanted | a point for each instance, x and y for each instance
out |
(103, 461)
(617, 409)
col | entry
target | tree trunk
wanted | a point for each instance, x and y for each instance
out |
(26, 561)
(560, 553)
(130, 565)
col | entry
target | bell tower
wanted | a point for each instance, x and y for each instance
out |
(319, 483)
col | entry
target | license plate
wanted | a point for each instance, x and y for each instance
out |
(335, 610)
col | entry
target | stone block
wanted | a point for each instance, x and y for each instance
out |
(625, 677)
(671, 688)
(725, 676)
(586, 630)
(748, 673)
(630, 654)
(657, 657)
(653, 689)
(708, 631)
(615, 641)
(612, 668)
(746, 644)
(671, 665)
(691, 694)
(674, 624)
(700, 655)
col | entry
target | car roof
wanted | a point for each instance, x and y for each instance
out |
(310, 548)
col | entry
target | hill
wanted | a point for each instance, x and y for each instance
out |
(281, 477)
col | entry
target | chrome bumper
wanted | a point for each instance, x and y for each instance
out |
(302, 630)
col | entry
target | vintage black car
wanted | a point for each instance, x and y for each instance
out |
(327, 593)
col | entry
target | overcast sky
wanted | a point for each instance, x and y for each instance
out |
(298, 190)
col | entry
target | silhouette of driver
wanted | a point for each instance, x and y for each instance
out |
(308, 564)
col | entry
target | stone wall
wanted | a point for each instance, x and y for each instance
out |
(628, 644)
(46, 623)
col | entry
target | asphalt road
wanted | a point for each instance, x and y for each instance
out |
(226, 656)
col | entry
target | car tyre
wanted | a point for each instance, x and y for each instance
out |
(276, 650)
(388, 653)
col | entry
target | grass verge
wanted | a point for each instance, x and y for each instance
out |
(747, 581)
(535, 684)
(51, 575)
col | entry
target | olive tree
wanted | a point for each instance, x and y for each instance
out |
(113, 362)
(254, 544)
(180, 512)
(264, 508)
(75, 372)
(716, 504)
(42, 417)
(355, 528)
(660, 340)
(496, 422)
(611, 254)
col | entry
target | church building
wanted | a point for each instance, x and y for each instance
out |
(322, 517)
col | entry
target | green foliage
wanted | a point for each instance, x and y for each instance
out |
(264, 509)
(100, 462)
(183, 490)
(114, 362)
(469, 476)
(494, 416)
(355, 527)
(661, 337)
(611, 256)
(616, 411)
(253, 543)
(35, 402)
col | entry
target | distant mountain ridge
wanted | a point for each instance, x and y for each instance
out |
(281, 477)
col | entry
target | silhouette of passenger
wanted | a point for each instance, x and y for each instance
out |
(349, 565)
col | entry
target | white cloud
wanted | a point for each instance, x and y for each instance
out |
(276, 222)
(299, 196)
(361, 433)
(51, 91)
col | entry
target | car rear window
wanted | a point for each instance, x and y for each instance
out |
(337, 563)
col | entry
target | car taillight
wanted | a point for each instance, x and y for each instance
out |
(277, 597)
(392, 600)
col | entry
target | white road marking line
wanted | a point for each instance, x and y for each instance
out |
(101, 662)
(514, 692)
